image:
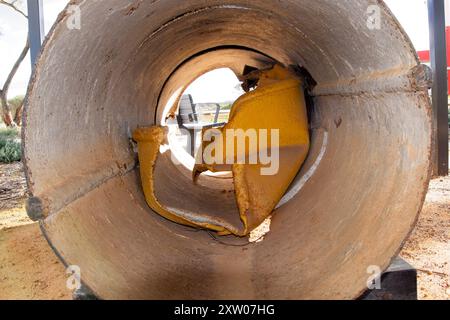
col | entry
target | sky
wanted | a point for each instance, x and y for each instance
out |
(412, 14)
(13, 34)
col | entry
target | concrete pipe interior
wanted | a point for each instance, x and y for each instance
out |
(351, 207)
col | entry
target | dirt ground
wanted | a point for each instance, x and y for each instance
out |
(28, 267)
(12, 186)
(30, 270)
(428, 247)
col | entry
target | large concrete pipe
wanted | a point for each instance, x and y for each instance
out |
(351, 207)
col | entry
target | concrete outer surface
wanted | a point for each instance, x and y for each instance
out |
(94, 86)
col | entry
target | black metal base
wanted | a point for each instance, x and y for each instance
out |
(399, 282)
(84, 293)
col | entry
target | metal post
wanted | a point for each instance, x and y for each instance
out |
(438, 57)
(35, 28)
(192, 136)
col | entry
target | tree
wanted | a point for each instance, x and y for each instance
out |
(7, 116)
(16, 105)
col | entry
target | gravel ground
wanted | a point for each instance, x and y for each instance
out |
(428, 247)
(12, 186)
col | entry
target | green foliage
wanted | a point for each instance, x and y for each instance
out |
(14, 104)
(9, 133)
(10, 148)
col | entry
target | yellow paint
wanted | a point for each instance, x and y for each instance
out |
(149, 141)
(277, 103)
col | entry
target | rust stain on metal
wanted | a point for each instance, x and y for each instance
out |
(133, 7)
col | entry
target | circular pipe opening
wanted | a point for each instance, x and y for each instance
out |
(211, 95)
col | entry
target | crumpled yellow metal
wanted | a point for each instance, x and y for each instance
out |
(276, 105)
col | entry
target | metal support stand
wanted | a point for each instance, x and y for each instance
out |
(399, 282)
(191, 142)
(84, 293)
(438, 57)
(35, 28)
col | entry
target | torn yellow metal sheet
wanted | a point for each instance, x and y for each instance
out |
(277, 106)
(149, 142)
(264, 144)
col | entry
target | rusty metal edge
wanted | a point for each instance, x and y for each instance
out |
(34, 75)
